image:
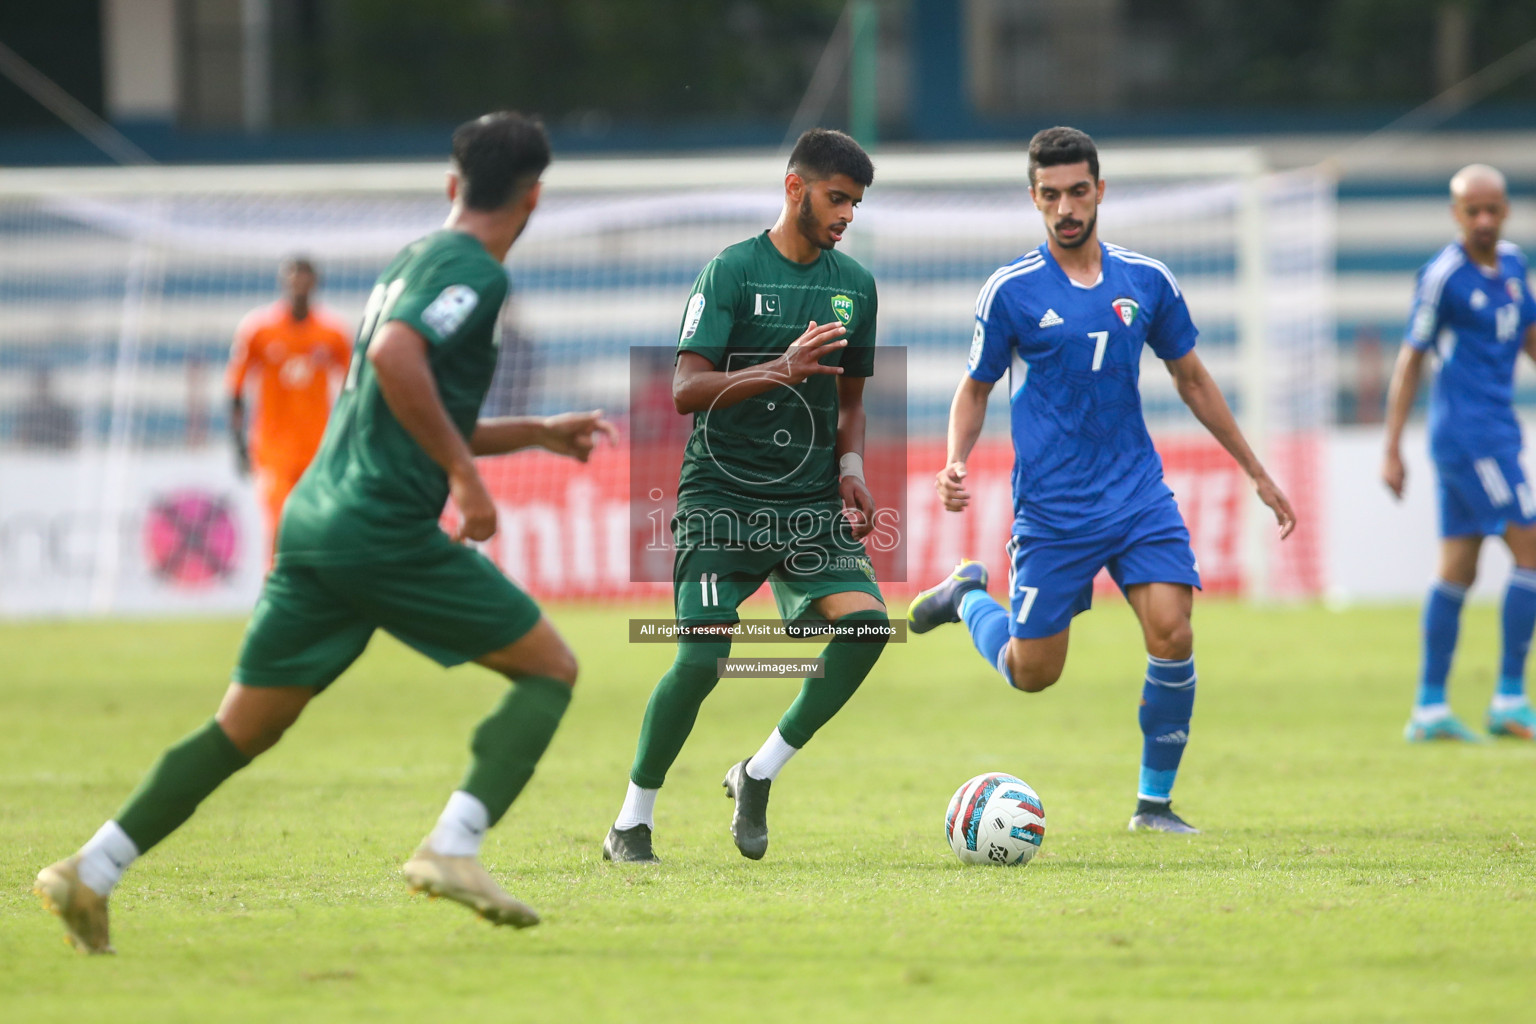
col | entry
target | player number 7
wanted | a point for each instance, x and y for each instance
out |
(1100, 340)
(1030, 593)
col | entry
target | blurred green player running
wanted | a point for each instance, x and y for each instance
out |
(776, 342)
(360, 549)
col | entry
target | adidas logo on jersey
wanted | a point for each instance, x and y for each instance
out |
(1051, 319)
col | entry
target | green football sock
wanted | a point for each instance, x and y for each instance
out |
(509, 743)
(673, 708)
(183, 777)
(847, 660)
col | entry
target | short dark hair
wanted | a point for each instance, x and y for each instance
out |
(821, 152)
(298, 261)
(498, 156)
(1053, 147)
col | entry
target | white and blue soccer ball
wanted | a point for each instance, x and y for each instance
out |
(995, 819)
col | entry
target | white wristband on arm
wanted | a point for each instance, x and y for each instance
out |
(851, 464)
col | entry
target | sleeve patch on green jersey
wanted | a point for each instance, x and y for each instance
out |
(695, 314)
(450, 309)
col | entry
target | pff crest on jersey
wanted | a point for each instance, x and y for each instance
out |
(842, 305)
(1127, 309)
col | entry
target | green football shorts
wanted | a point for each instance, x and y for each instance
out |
(447, 601)
(718, 565)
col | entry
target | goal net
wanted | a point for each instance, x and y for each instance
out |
(121, 290)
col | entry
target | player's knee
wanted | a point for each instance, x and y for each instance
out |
(255, 718)
(1033, 675)
(1033, 679)
(253, 737)
(1173, 640)
(563, 666)
(870, 629)
(699, 660)
(550, 660)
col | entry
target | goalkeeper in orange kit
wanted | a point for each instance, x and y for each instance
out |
(299, 353)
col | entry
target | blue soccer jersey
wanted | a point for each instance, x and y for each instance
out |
(1475, 319)
(1082, 454)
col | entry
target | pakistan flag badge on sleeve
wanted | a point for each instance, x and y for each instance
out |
(842, 305)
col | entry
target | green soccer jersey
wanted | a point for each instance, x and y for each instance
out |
(777, 448)
(372, 492)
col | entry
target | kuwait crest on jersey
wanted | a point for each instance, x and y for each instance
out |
(1126, 309)
(842, 305)
(1512, 284)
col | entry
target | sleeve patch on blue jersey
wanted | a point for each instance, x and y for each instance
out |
(978, 339)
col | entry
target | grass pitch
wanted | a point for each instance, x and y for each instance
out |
(1343, 876)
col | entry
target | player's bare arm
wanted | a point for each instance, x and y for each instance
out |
(1400, 395)
(399, 357)
(858, 504)
(568, 433)
(697, 386)
(967, 413)
(1198, 390)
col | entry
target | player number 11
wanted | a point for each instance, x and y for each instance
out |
(1100, 340)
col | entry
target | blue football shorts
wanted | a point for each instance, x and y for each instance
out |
(1481, 497)
(1051, 578)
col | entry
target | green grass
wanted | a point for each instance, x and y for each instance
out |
(1343, 875)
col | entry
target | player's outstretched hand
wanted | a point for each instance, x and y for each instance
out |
(575, 433)
(803, 358)
(951, 487)
(858, 506)
(1393, 474)
(1271, 495)
(477, 512)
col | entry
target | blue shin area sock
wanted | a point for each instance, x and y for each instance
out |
(988, 623)
(1167, 701)
(1442, 621)
(1518, 619)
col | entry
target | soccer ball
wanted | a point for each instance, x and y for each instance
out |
(995, 819)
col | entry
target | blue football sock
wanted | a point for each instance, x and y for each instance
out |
(1442, 621)
(1167, 701)
(988, 623)
(1519, 619)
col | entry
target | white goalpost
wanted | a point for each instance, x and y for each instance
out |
(120, 290)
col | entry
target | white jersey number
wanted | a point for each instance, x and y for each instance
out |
(380, 301)
(1100, 341)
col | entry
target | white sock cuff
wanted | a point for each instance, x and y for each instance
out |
(639, 808)
(771, 759)
(104, 858)
(1423, 714)
(461, 827)
(1454, 591)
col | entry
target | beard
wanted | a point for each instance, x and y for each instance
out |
(809, 228)
(1082, 236)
